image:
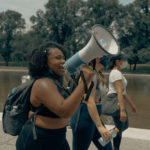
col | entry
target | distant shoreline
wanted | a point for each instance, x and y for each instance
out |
(14, 70)
(17, 69)
(25, 69)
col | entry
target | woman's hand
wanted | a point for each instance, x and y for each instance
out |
(133, 108)
(123, 116)
(129, 101)
(106, 134)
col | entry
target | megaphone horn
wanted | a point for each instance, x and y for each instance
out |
(102, 42)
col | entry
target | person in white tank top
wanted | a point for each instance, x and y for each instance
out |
(118, 84)
(114, 76)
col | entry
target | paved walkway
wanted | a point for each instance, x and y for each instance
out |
(133, 139)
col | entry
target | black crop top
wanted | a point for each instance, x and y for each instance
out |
(44, 110)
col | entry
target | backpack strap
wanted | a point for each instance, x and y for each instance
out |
(31, 118)
(84, 81)
(87, 90)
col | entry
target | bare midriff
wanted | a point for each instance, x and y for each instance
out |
(49, 123)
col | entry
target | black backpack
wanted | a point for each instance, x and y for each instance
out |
(16, 108)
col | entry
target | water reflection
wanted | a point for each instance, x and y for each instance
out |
(138, 89)
(8, 80)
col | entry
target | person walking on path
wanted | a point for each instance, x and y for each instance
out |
(86, 123)
(117, 85)
(47, 67)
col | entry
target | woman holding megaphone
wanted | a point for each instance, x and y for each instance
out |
(46, 66)
(86, 123)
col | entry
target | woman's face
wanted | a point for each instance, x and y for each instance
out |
(121, 62)
(56, 61)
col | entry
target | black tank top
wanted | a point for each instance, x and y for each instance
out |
(44, 110)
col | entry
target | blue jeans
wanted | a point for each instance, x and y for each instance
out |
(85, 132)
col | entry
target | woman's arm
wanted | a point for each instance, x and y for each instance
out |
(93, 111)
(45, 92)
(129, 101)
(92, 105)
(96, 119)
(118, 85)
(95, 116)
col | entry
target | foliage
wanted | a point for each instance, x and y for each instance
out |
(11, 24)
(133, 28)
(69, 22)
(60, 22)
(144, 55)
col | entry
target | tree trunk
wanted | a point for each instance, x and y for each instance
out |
(135, 62)
(134, 67)
(130, 67)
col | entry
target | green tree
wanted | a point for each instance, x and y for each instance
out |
(133, 27)
(24, 43)
(11, 23)
(132, 58)
(102, 12)
(60, 22)
(144, 55)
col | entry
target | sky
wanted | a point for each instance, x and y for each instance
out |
(26, 7)
(29, 7)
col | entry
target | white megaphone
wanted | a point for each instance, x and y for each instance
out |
(101, 43)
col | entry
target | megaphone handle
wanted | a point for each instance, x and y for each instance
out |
(77, 79)
(89, 91)
(74, 79)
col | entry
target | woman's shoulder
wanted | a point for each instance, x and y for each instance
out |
(42, 87)
(115, 72)
(115, 75)
(44, 83)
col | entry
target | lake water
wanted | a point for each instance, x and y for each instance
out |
(138, 89)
